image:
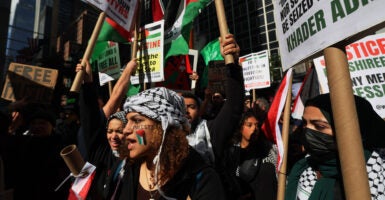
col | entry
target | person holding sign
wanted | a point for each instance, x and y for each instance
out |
(318, 175)
(209, 137)
(95, 142)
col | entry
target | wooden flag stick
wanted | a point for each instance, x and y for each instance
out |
(282, 174)
(90, 47)
(134, 46)
(223, 28)
(347, 131)
(254, 96)
(110, 88)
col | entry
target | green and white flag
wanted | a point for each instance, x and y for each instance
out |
(209, 53)
(178, 35)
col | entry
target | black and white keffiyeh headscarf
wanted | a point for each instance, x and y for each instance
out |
(162, 105)
(159, 104)
(121, 115)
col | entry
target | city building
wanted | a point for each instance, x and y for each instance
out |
(5, 10)
(249, 21)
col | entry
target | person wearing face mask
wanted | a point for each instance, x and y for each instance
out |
(318, 175)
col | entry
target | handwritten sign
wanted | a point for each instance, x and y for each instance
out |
(256, 71)
(31, 82)
(108, 63)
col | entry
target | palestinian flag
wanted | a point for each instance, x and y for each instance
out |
(179, 17)
(157, 9)
(112, 31)
(270, 126)
(310, 88)
(176, 73)
(82, 185)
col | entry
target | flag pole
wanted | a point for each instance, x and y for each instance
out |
(134, 47)
(223, 29)
(351, 154)
(109, 88)
(90, 47)
(254, 96)
(282, 174)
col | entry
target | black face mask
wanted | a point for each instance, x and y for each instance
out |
(321, 147)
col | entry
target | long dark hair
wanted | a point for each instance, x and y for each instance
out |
(258, 144)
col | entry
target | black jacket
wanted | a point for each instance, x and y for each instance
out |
(92, 139)
(249, 175)
(223, 126)
(195, 179)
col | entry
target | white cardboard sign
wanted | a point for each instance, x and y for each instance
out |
(306, 27)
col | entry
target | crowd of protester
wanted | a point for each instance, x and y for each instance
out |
(159, 144)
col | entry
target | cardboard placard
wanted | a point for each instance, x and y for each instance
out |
(31, 82)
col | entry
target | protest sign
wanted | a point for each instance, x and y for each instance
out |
(108, 63)
(150, 54)
(31, 82)
(306, 27)
(366, 59)
(256, 71)
(122, 11)
(217, 76)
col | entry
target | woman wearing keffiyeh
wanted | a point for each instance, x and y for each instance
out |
(318, 176)
(163, 164)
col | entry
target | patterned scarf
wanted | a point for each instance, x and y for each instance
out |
(159, 104)
(121, 115)
(303, 183)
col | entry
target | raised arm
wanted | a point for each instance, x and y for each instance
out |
(223, 126)
(120, 89)
(91, 117)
